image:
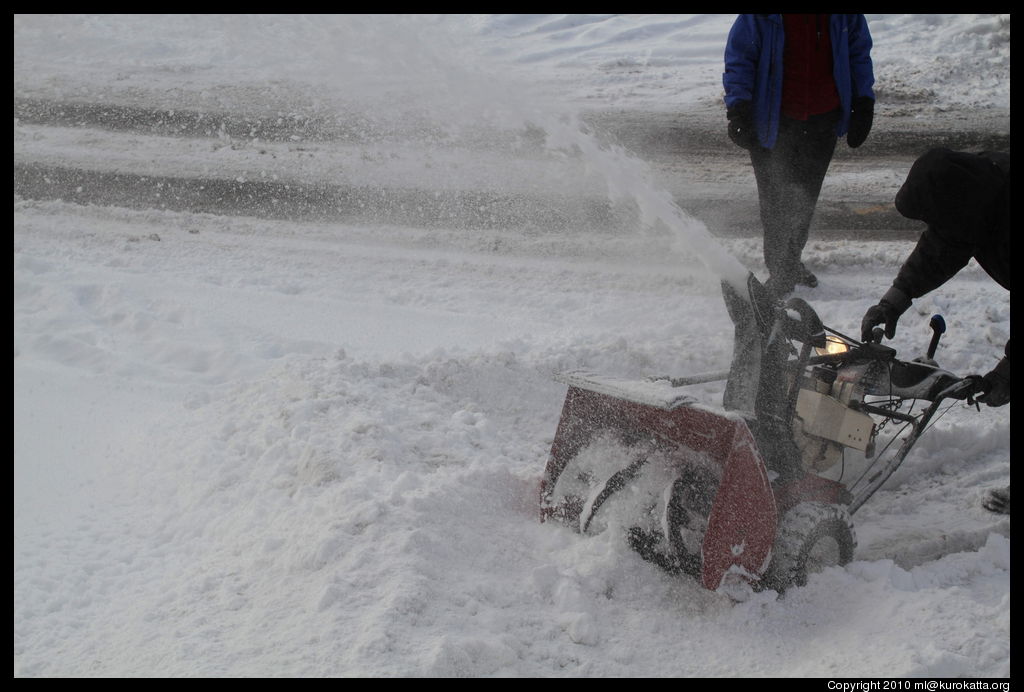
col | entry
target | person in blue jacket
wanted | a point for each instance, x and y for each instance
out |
(794, 84)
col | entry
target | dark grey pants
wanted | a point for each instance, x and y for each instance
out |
(789, 178)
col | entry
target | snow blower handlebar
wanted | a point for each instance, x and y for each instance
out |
(960, 389)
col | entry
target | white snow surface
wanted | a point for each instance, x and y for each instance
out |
(252, 447)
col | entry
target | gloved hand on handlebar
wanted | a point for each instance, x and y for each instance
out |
(995, 386)
(893, 304)
(968, 388)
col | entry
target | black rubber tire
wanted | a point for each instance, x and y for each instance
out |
(810, 537)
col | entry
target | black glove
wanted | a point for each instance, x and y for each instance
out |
(861, 115)
(996, 385)
(893, 304)
(741, 125)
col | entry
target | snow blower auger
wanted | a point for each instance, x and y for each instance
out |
(760, 491)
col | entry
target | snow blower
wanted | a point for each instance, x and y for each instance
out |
(758, 492)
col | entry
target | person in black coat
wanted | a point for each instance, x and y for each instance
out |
(964, 198)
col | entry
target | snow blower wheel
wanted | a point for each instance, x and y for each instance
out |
(811, 537)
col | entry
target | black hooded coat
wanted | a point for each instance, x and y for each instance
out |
(965, 200)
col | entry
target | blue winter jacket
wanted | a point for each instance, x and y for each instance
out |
(753, 67)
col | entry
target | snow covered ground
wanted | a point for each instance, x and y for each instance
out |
(302, 436)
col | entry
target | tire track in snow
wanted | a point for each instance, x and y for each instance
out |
(452, 209)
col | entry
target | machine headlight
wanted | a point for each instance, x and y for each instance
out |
(833, 345)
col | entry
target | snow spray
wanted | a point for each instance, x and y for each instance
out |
(424, 73)
(507, 103)
(628, 177)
